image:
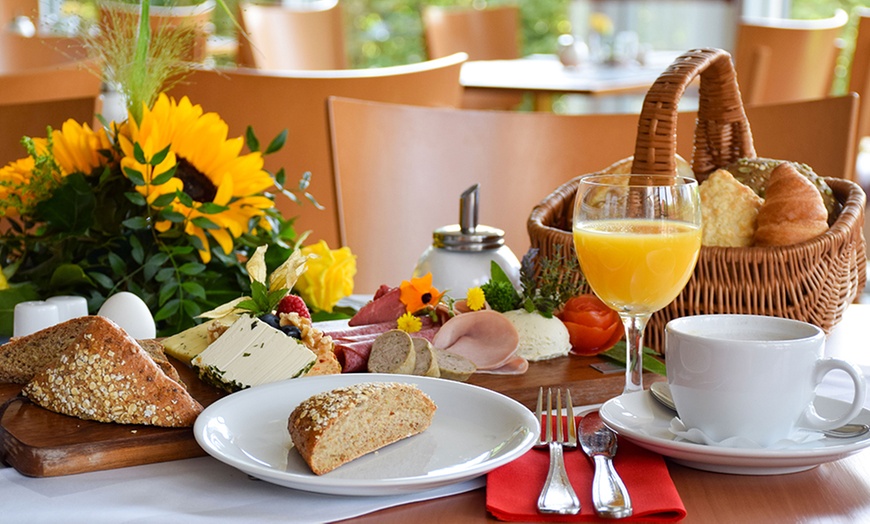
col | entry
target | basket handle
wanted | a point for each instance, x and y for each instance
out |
(722, 132)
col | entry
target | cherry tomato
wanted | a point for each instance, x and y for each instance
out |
(592, 326)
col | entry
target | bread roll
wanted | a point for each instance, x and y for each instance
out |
(104, 375)
(793, 210)
(332, 428)
(392, 352)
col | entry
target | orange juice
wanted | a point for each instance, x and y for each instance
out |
(637, 266)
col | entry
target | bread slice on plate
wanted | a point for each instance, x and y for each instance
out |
(102, 374)
(332, 428)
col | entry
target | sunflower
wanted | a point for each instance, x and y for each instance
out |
(223, 187)
(77, 148)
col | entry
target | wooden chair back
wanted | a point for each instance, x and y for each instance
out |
(859, 72)
(19, 53)
(9, 9)
(30, 101)
(283, 37)
(400, 170)
(272, 101)
(786, 60)
(492, 33)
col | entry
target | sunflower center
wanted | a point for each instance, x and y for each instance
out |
(198, 186)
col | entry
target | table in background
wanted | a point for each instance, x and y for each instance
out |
(544, 76)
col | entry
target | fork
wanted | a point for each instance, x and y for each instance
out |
(557, 495)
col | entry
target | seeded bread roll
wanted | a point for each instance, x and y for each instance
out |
(392, 352)
(332, 428)
(452, 366)
(425, 364)
(104, 375)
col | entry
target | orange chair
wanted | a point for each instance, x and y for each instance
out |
(19, 53)
(859, 74)
(412, 163)
(30, 101)
(786, 60)
(272, 101)
(281, 37)
(492, 33)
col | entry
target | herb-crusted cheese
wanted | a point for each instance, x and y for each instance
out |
(191, 342)
(251, 353)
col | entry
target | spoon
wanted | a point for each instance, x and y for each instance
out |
(662, 392)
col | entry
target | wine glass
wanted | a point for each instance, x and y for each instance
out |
(637, 238)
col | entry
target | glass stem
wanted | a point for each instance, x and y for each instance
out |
(634, 327)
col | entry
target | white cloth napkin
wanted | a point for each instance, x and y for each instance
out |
(797, 437)
(185, 491)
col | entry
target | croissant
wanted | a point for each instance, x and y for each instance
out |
(793, 210)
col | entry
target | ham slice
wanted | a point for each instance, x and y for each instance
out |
(485, 337)
(386, 306)
(515, 366)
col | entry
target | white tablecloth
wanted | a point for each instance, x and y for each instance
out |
(205, 490)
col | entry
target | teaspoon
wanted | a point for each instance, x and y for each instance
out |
(662, 393)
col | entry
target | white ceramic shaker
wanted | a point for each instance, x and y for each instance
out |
(461, 254)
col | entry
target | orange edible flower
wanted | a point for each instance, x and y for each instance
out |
(419, 293)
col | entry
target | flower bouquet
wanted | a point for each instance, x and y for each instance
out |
(164, 204)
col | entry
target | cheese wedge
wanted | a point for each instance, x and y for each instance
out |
(251, 353)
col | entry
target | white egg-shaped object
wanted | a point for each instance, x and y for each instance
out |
(131, 314)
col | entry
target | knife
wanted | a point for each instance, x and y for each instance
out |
(609, 495)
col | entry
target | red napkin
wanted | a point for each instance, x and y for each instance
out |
(512, 490)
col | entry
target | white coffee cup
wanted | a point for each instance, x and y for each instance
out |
(751, 376)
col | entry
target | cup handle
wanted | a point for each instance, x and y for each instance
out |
(812, 419)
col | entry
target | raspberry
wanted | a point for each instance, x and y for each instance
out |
(294, 304)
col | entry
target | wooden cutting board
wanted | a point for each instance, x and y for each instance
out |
(41, 443)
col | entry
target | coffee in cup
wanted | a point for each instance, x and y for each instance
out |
(751, 376)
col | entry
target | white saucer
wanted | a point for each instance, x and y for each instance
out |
(640, 419)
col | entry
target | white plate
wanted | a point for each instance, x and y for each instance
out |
(474, 430)
(640, 419)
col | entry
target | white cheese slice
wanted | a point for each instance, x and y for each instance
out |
(193, 341)
(251, 353)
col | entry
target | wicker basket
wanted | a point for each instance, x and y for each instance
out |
(813, 281)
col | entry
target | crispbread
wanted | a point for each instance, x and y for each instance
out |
(729, 211)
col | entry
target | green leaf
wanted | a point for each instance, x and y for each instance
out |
(164, 177)
(158, 158)
(165, 274)
(139, 154)
(103, 280)
(169, 309)
(163, 200)
(135, 176)
(651, 361)
(210, 208)
(496, 273)
(251, 140)
(191, 309)
(119, 267)
(185, 199)
(167, 291)
(277, 143)
(137, 251)
(191, 268)
(204, 223)
(69, 275)
(280, 176)
(136, 198)
(172, 216)
(194, 289)
(136, 223)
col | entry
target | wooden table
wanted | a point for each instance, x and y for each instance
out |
(544, 76)
(833, 492)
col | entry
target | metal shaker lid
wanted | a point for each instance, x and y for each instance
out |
(468, 235)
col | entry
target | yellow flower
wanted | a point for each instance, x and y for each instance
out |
(409, 323)
(329, 276)
(224, 185)
(15, 194)
(475, 300)
(601, 23)
(419, 293)
(76, 147)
